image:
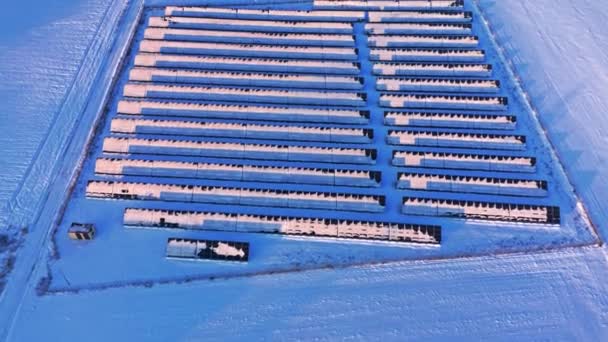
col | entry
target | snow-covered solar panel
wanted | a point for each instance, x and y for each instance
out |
(464, 161)
(456, 140)
(426, 55)
(243, 112)
(249, 50)
(418, 28)
(252, 25)
(436, 41)
(240, 37)
(190, 193)
(390, 4)
(472, 184)
(242, 131)
(220, 250)
(241, 63)
(250, 79)
(394, 100)
(451, 120)
(493, 211)
(288, 225)
(228, 13)
(420, 16)
(449, 85)
(336, 155)
(433, 69)
(275, 84)
(219, 93)
(237, 172)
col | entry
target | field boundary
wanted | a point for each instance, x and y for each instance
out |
(96, 74)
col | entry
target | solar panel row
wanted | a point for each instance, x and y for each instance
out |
(375, 107)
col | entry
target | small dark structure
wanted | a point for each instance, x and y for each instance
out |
(81, 231)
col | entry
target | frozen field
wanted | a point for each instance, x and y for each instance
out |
(567, 92)
(137, 129)
(43, 62)
(555, 296)
(551, 294)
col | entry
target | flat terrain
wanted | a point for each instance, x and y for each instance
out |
(556, 296)
(322, 290)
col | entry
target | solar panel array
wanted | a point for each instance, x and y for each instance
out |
(256, 112)
(438, 93)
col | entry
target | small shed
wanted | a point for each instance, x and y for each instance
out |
(81, 231)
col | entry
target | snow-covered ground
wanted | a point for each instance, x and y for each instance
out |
(144, 249)
(57, 66)
(47, 59)
(45, 62)
(44, 56)
(553, 295)
(560, 51)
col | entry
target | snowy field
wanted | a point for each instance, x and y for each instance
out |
(47, 59)
(550, 294)
(145, 248)
(560, 57)
(553, 296)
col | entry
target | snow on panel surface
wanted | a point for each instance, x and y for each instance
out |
(389, 4)
(243, 112)
(149, 58)
(419, 28)
(259, 50)
(207, 250)
(424, 54)
(244, 13)
(439, 119)
(252, 25)
(250, 37)
(418, 16)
